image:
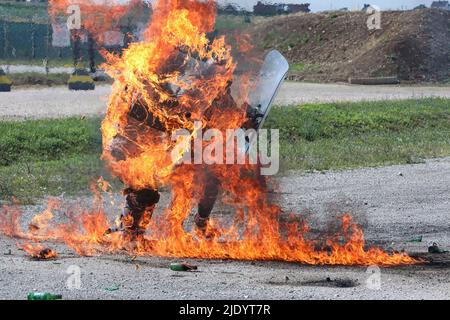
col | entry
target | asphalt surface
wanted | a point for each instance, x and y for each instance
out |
(56, 102)
(396, 205)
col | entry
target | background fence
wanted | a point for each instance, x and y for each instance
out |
(30, 41)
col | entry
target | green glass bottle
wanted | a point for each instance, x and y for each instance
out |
(43, 296)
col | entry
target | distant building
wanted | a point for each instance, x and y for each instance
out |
(228, 9)
(420, 6)
(265, 9)
(441, 5)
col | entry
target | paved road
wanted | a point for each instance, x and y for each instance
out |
(295, 92)
(59, 102)
(395, 204)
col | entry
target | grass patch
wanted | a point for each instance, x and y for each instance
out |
(269, 39)
(302, 67)
(294, 40)
(230, 22)
(51, 157)
(362, 134)
(34, 78)
(47, 140)
(29, 181)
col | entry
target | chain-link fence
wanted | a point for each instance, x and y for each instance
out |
(23, 41)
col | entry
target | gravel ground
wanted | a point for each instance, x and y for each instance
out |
(394, 204)
(26, 103)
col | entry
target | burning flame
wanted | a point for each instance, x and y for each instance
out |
(38, 251)
(175, 38)
(84, 232)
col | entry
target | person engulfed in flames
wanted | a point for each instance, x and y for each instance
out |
(173, 79)
(141, 122)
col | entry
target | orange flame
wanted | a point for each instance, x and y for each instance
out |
(175, 38)
(38, 251)
(84, 233)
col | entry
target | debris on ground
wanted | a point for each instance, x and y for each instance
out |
(46, 254)
(335, 283)
(328, 282)
(416, 240)
(38, 251)
(435, 249)
(182, 267)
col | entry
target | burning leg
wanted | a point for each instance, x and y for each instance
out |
(139, 210)
(210, 194)
(140, 204)
(207, 202)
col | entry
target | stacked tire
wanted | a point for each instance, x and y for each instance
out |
(81, 80)
(5, 82)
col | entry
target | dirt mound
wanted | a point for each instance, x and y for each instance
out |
(412, 45)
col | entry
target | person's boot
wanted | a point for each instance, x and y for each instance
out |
(137, 214)
(204, 228)
(135, 223)
(201, 223)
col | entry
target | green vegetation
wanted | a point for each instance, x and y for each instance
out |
(51, 157)
(29, 181)
(302, 67)
(294, 40)
(269, 39)
(275, 38)
(34, 78)
(333, 16)
(47, 140)
(229, 22)
(349, 135)
(226, 22)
